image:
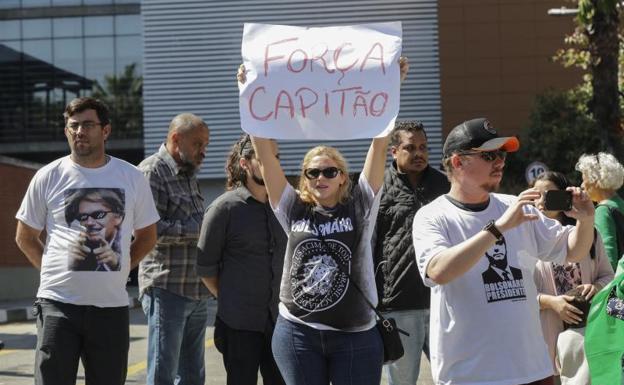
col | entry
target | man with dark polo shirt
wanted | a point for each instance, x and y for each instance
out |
(240, 258)
(409, 184)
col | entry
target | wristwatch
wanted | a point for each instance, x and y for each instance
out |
(491, 227)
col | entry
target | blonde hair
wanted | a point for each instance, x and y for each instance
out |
(601, 170)
(343, 191)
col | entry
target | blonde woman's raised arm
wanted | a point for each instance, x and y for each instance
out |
(272, 173)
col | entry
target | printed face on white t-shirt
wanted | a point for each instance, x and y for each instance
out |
(497, 254)
(502, 281)
(100, 222)
(97, 215)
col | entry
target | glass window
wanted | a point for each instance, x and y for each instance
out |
(9, 29)
(40, 49)
(62, 58)
(98, 25)
(99, 58)
(38, 80)
(13, 44)
(67, 26)
(35, 3)
(90, 2)
(9, 4)
(36, 28)
(66, 2)
(128, 50)
(68, 55)
(128, 25)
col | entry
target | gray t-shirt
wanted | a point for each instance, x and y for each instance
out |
(314, 290)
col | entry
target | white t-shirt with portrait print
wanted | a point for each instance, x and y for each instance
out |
(485, 326)
(66, 199)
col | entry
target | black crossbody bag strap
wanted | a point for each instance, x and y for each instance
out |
(383, 319)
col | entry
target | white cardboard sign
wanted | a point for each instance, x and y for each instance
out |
(330, 83)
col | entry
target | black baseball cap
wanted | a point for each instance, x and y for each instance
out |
(477, 135)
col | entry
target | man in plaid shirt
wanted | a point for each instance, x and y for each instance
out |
(172, 295)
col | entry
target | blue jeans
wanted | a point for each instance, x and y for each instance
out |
(415, 322)
(306, 356)
(177, 329)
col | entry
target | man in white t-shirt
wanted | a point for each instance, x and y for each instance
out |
(91, 205)
(477, 250)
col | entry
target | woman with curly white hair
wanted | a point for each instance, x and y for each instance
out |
(603, 175)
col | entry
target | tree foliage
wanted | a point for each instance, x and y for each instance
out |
(585, 119)
(595, 47)
(559, 130)
(124, 95)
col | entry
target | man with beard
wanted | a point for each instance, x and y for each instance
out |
(409, 183)
(241, 253)
(172, 295)
(489, 333)
(84, 314)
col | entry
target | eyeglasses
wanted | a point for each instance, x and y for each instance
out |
(329, 172)
(100, 214)
(488, 156)
(87, 125)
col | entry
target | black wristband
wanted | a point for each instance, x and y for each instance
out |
(491, 227)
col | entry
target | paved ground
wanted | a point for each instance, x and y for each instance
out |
(16, 360)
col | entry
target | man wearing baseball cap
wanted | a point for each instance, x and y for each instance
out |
(487, 330)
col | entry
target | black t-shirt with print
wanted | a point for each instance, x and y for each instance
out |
(322, 246)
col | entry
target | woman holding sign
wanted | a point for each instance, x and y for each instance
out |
(326, 330)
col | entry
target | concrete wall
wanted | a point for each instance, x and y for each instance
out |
(495, 56)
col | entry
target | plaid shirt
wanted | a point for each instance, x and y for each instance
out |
(171, 265)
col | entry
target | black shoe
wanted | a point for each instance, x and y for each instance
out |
(1, 344)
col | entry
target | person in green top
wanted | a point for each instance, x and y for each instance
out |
(603, 175)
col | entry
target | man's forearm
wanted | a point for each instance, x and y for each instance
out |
(33, 250)
(178, 230)
(144, 241)
(457, 260)
(212, 283)
(28, 241)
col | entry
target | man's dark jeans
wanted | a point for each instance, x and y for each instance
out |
(66, 333)
(244, 352)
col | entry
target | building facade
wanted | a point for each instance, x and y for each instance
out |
(192, 52)
(52, 51)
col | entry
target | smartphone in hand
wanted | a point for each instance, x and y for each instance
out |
(558, 200)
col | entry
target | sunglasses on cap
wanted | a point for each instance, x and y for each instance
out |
(329, 172)
(488, 156)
